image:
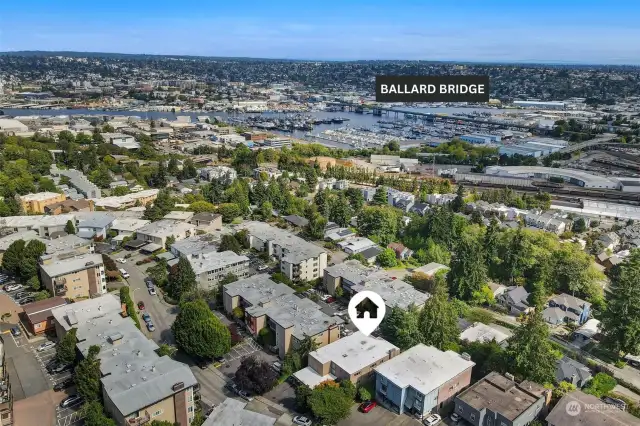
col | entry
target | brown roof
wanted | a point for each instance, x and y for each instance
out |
(70, 204)
(41, 310)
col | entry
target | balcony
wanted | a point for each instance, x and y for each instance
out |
(60, 290)
(59, 281)
(140, 420)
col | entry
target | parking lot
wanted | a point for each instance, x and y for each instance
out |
(69, 416)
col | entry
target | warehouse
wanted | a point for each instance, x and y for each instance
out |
(576, 177)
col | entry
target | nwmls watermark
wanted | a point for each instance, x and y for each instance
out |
(574, 408)
(452, 88)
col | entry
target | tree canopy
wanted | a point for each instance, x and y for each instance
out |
(199, 332)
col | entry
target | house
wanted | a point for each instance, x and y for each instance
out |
(356, 245)
(223, 174)
(296, 220)
(38, 314)
(158, 232)
(368, 193)
(36, 203)
(299, 259)
(587, 331)
(207, 221)
(351, 358)
(69, 206)
(139, 198)
(121, 140)
(515, 298)
(233, 413)
(431, 269)
(137, 385)
(73, 277)
(570, 370)
(94, 224)
(371, 254)
(291, 319)
(479, 332)
(179, 215)
(570, 411)
(402, 252)
(421, 380)
(565, 309)
(270, 172)
(609, 241)
(339, 234)
(127, 226)
(499, 400)
(496, 289)
(420, 209)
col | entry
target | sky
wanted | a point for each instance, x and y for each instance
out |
(559, 31)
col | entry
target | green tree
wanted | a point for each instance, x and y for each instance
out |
(266, 210)
(12, 258)
(202, 206)
(229, 211)
(401, 327)
(317, 224)
(490, 242)
(87, 375)
(66, 348)
(621, 320)
(530, 353)
(169, 241)
(387, 258)
(579, 226)
(458, 203)
(381, 223)
(439, 321)
(468, 271)
(168, 350)
(164, 423)
(34, 283)
(380, 197)
(228, 279)
(229, 242)
(364, 394)
(69, 228)
(172, 166)
(94, 415)
(600, 385)
(199, 332)
(303, 392)
(488, 356)
(119, 191)
(182, 279)
(330, 404)
(101, 176)
(158, 273)
(356, 199)
(29, 264)
(562, 389)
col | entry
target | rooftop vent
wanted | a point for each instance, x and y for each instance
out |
(509, 376)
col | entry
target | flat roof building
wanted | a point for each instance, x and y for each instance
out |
(576, 177)
(74, 277)
(212, 267)
(36, 203)
(157, 232)
(233, 413)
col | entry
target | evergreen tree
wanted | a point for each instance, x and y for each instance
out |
(530, 352)
(229, 242)
(468, 271)
(199, 332)
(458, 203)
(182, 279)
(169, 241)
(491, 242)
(172, 166)
(266, 211)
(160, 177)
(29, 264)
(621, 320)
(66, 348)
(12, 258)
(69, 228)
(439, 321)
(380, 197)
(87, 375)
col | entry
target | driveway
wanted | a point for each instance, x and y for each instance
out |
(379, 416)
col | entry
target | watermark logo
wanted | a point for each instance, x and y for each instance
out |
(573, 408)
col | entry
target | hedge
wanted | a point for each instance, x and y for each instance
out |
(125, 298)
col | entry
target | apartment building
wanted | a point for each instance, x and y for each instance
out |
(233, 413)
(422, 380)
(299, 259)
(121, 140)
(207, 221)
(140, 198)
(210, 268)
(157, 232)
(137, 385)
(274, 305)
(271, 172)
(6, 396)
(73, 276)
(69, 206)
(350, 358)
(78, 181)
(223, 174)
(94, 224)
(38, 314)
(36, 203)
(499, 400)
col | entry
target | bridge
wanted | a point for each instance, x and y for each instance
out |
(604, 139)
(378, 110)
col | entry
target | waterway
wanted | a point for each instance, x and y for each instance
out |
(355, 120)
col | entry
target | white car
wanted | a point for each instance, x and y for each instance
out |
(432, 420)
(152, 291)
(121, 260)
(124, 273)
(302, 421)
(263, 267)
(12, 287)
(46, 345)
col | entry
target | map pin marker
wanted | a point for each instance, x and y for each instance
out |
(366, 310)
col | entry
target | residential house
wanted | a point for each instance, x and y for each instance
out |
(351, 358)
(299, 259)
(571, 371)
(440, 199)
(339, 234)
(297, 221)
(232, 412)
(609, 241)
(567, 309)
(121, 140)
(399, 199)
(179, 215)
(137, 385)
(38, 314)
(368, 193)
(274, 305)
(127, 226)
(69, 206)
(420, 209)
(94, 224)
(499, 400)
(371, 254)
(356, 245)
(36, 203)
(571, 411)
(207, 221)
(402, 252)
(270, 172)
(430, 269)
(72, 276)
(515, 298)
(483, 333)
(421, 380)
(140, 198)
(223, 174)
(587, 331)
(158, 232)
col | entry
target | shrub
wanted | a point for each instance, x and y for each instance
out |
(364, 394)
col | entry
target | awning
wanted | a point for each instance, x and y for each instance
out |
(150, 248)
(135, 244)
(166, 256)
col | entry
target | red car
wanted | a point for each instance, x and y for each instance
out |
(367, 406)
(141, 305)
(330, 300)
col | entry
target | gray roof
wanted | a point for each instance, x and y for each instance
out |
(296, 220)
(26, 236)
(94, 219)
(194, 246)
(570, 302)
(567, 367)
(66, 243)
(233, 413)
(258, 288)
(216, 260)
(204, 216)
(597, 414)
(517, 295)
(371, 252)
(297, 248)
(554, 315)
(74, 264)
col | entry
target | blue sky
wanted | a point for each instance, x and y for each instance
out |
(562, 31)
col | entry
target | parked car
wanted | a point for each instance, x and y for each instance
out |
(15, 331)
(204, 363)
(72, 400)
(141, 305)
(146, 317)
(121, 260)
(149, 282)
(455, 417)
(325, 297)
(61, 368)
(277, 366)
(152, 291)
(12, 287)
(262, 268)
(150, 326)
(432, 420)
(302, 421)
(620, 404)
(21, 294)
(330, 300)
(218, 361)
(46, 346)
(66, 383)
(26, 300)
(232, 387)
(367, 406)
(245, 395)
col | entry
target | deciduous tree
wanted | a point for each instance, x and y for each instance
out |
(182, 279)
(256, 376)
(87, 375)
(66, 348)
(199, 332)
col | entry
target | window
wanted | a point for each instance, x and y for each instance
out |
(473, 417)
(190, 399)
(460, 409)
(157, 413)
(190, 409)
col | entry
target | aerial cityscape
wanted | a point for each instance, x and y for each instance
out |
(218, 220)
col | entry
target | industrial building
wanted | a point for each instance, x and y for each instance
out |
(540, 105)
(533, 147)
(480, 138)
(576, 177)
